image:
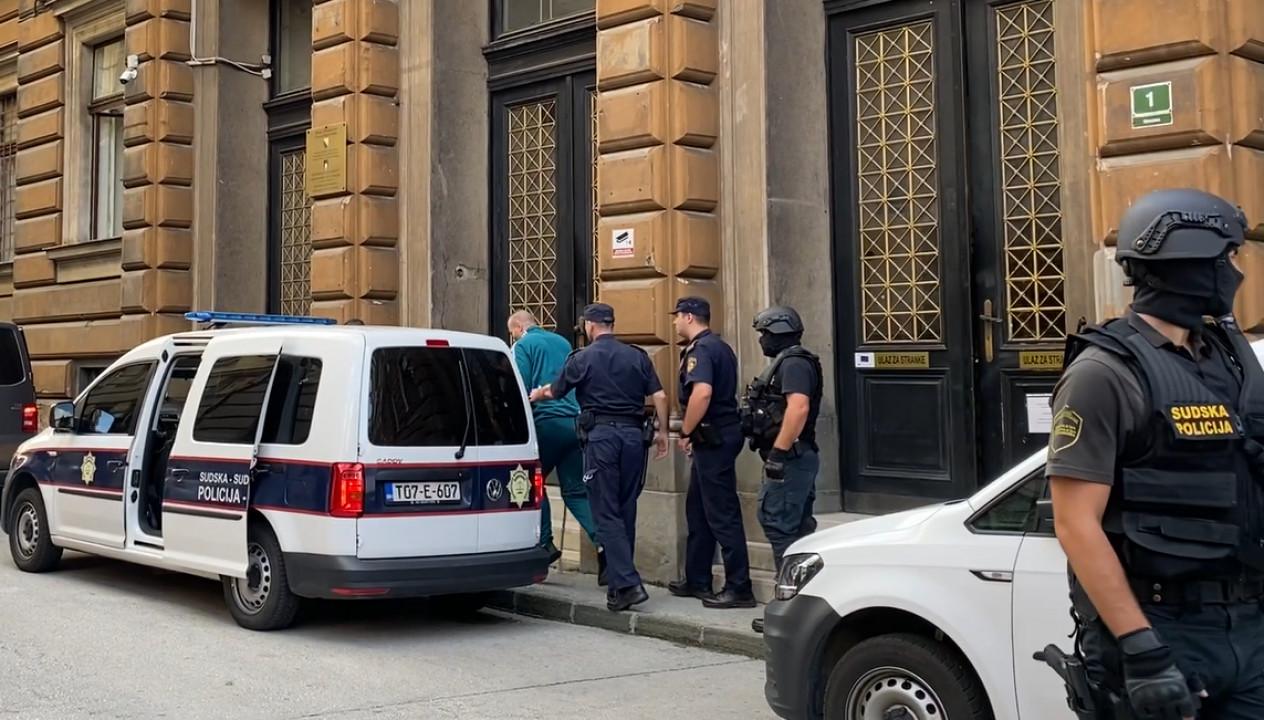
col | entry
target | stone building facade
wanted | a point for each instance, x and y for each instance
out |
(932, 183)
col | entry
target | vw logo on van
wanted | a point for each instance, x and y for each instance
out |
(495, 490)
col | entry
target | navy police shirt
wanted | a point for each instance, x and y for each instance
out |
(708, 359)
(609, 377)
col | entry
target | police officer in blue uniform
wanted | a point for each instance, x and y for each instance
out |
(612, 380)
(712, 436)
(1156, 466)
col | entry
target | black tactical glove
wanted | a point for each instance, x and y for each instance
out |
(775, 464)
(1156, 688)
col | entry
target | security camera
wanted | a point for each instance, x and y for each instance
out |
(131, 71)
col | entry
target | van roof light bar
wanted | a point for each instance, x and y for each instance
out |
(231, 318)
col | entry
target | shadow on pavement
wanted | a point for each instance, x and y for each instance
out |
(351, 620)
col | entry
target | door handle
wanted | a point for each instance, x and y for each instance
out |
(987, 319)
(179, 474)
(115, 465)
(262, 468)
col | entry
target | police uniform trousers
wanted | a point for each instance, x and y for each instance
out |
(714, 515)
(560, 451)
(785, 506)
(1222, 645)
(614, 467)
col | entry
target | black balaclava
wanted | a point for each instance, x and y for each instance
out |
(772, 345)
(1182, 292)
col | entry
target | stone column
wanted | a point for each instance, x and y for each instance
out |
(658, 180)
(1210, 137)
(157, 286)
(355, 80)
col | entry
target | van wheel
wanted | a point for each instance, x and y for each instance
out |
(262, 600)
(904, 677)
(30, 538)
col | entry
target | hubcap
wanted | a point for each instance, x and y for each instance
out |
(28, 531)
(893, 694)
(253, 590)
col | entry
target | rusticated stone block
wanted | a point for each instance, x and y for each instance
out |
(695, 114)
(39, 198)
(37, 232)
(697, 246)
(32, 269)
(695, 179)
(40, 163)
(355, 220)
(631, 54)
(633, 181)
(140, 10)
(1140, 32)
(154, 291)
(633, 116)
(41, 95)
(370, 119)
(161, 248)
(158, 163)
(159, 38)
(41, 62)
(1123, 179)
(38, 29)
(695, 50)
(79, 301)
(651, 243)
(1200, 110)
(41, 128)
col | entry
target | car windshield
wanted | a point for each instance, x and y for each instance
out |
(444, 397)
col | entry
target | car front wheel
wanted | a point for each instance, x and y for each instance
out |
(30, 538)
(904, 677)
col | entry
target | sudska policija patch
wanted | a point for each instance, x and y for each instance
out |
(1066, 430)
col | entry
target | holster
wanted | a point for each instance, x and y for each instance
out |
(1086, 699)
(706, 435)
(648, 430)
(584, 424)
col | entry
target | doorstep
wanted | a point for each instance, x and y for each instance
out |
(575, 598)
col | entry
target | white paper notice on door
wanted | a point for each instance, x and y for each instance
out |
(1039, 415)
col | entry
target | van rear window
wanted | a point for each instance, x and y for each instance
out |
(12, 364)
(444, 397)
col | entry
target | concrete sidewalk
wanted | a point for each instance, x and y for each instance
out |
(575, 598)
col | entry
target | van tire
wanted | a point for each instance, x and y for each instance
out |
(909, 669)
(262, 600)
(30, 536)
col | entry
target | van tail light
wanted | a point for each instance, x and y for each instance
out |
(30, 419)
(347, 494)
(437, 343)
(537, 486)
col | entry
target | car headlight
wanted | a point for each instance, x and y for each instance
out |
(796, 571)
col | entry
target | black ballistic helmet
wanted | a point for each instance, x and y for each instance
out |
(778, 320)
(1182, 224)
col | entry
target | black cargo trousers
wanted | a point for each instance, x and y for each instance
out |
(1222, 645)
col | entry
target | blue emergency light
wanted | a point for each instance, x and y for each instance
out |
(226, 318)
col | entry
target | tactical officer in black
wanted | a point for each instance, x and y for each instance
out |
(779, 416)
(1155, 469)
(711, 434)
(611, 380)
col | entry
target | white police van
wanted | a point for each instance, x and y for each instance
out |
(293, 460)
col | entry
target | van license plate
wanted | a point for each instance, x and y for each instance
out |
(423, 493)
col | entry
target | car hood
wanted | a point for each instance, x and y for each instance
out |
(863, 531)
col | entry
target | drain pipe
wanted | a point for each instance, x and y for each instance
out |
(262, 69)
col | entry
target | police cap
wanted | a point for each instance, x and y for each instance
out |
(778, 320)
(599, 313)
(694, 306)
(1181, 224)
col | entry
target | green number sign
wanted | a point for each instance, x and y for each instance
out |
(1151, 105)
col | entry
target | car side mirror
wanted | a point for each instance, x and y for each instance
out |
(1044, 517)
(62, 417)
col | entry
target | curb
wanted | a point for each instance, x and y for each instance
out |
(660, 627)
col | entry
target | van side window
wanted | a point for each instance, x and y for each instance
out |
(112, 405)
(293, 400)
(233, 400)
(12, 366)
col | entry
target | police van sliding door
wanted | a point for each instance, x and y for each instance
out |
(902, 254)
(213, 462)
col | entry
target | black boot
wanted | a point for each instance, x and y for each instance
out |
(624, 599)
(601, 569)
(554, 553)
(729, 600)
(682, 588)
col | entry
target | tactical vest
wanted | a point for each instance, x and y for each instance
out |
(763, 407)
(1187, 504)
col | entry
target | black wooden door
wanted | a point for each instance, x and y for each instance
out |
(542, 201)
(947, 242)
(901, 240)
(1016, 216)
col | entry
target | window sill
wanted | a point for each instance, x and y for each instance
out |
(537, 38)
(85, 250)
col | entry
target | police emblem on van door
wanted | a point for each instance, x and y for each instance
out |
(88, 470)
(519, 486)
(495, 490)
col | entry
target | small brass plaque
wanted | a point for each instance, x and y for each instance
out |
(1040, 360)
(327, 160)
(901, 360)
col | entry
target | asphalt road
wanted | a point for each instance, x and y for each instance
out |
(102, 639)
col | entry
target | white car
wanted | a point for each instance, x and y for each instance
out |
(927, 614)
(293, 461)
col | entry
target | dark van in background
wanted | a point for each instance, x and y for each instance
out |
(19, 416)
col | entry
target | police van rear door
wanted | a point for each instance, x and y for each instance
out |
(213, 461)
